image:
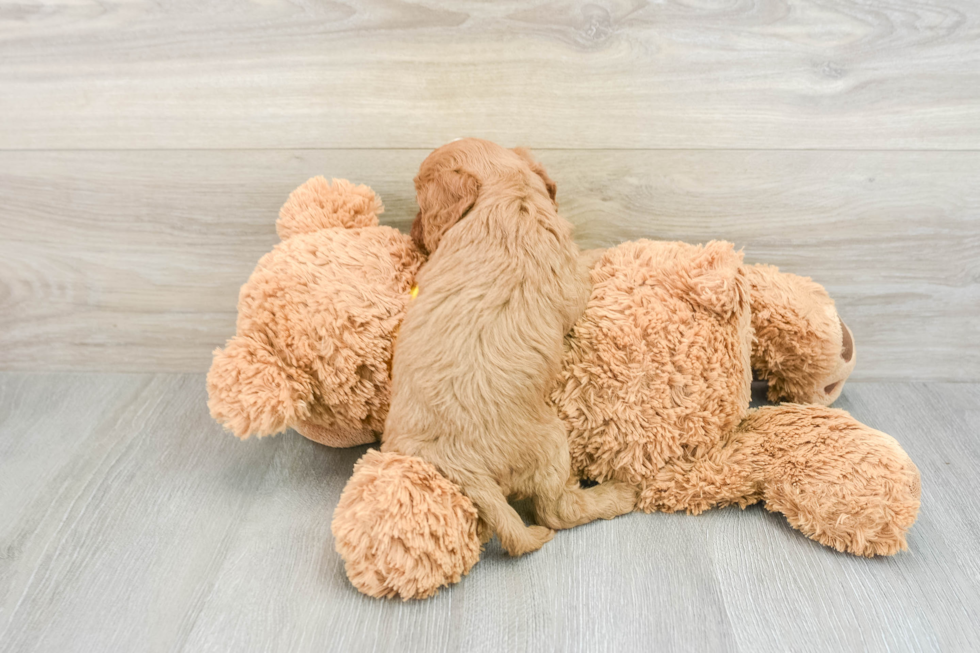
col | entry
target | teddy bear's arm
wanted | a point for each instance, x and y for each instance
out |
(836, 480)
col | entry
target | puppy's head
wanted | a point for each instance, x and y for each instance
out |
(451, 178)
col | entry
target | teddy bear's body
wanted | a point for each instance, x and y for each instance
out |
(658, 366)
(655, 391)
(654, 388)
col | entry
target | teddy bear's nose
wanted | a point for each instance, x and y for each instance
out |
(847, 349)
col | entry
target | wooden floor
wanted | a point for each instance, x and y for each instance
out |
(130, 522)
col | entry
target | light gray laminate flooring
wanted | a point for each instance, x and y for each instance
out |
(130, 522)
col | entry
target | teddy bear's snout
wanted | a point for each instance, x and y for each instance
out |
(846, 354)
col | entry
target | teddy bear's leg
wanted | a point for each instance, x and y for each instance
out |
(722, 475)
(802, 347)
(836, 480)
(252, 392)
(403, 529)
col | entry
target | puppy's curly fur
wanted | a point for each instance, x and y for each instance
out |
(481, 346)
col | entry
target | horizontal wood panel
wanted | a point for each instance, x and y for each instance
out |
(131, 261)
(780, 74)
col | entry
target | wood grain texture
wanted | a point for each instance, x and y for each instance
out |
(131, 261)
(279, 73)
(128, 521)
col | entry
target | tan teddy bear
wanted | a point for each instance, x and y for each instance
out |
(655, 390)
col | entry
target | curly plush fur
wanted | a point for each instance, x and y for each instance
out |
(654, 390)
(834, 479)
(658, 363)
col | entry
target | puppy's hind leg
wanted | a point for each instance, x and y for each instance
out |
(560, 503)
(516, 537)
(574, 506)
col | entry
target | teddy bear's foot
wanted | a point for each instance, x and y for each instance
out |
(802, 347)
(836, 480)
(403, 529)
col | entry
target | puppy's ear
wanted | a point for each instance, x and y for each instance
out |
(418, 233)
(445, 197)
(539, 170)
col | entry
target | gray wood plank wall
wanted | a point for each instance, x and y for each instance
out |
(145, 149)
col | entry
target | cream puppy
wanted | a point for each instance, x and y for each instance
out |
(481, 345)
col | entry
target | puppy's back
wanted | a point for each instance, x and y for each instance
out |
(481, 344)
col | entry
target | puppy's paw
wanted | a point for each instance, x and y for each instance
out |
(483, 531)
(624, 496)
(540, 535)
(532, 539)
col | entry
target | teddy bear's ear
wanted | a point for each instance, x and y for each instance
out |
(712, 276)
(319, 204)
(252, 392)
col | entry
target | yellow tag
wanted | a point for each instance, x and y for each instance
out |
(414, 292)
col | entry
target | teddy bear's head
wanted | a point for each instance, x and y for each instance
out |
(315, 322)
(802, 346)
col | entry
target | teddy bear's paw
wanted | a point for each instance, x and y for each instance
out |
(869, 523)
(836, 480)
(828, 389)
(319, 204)
(817, 385)
(403, 529)
(252, 391)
